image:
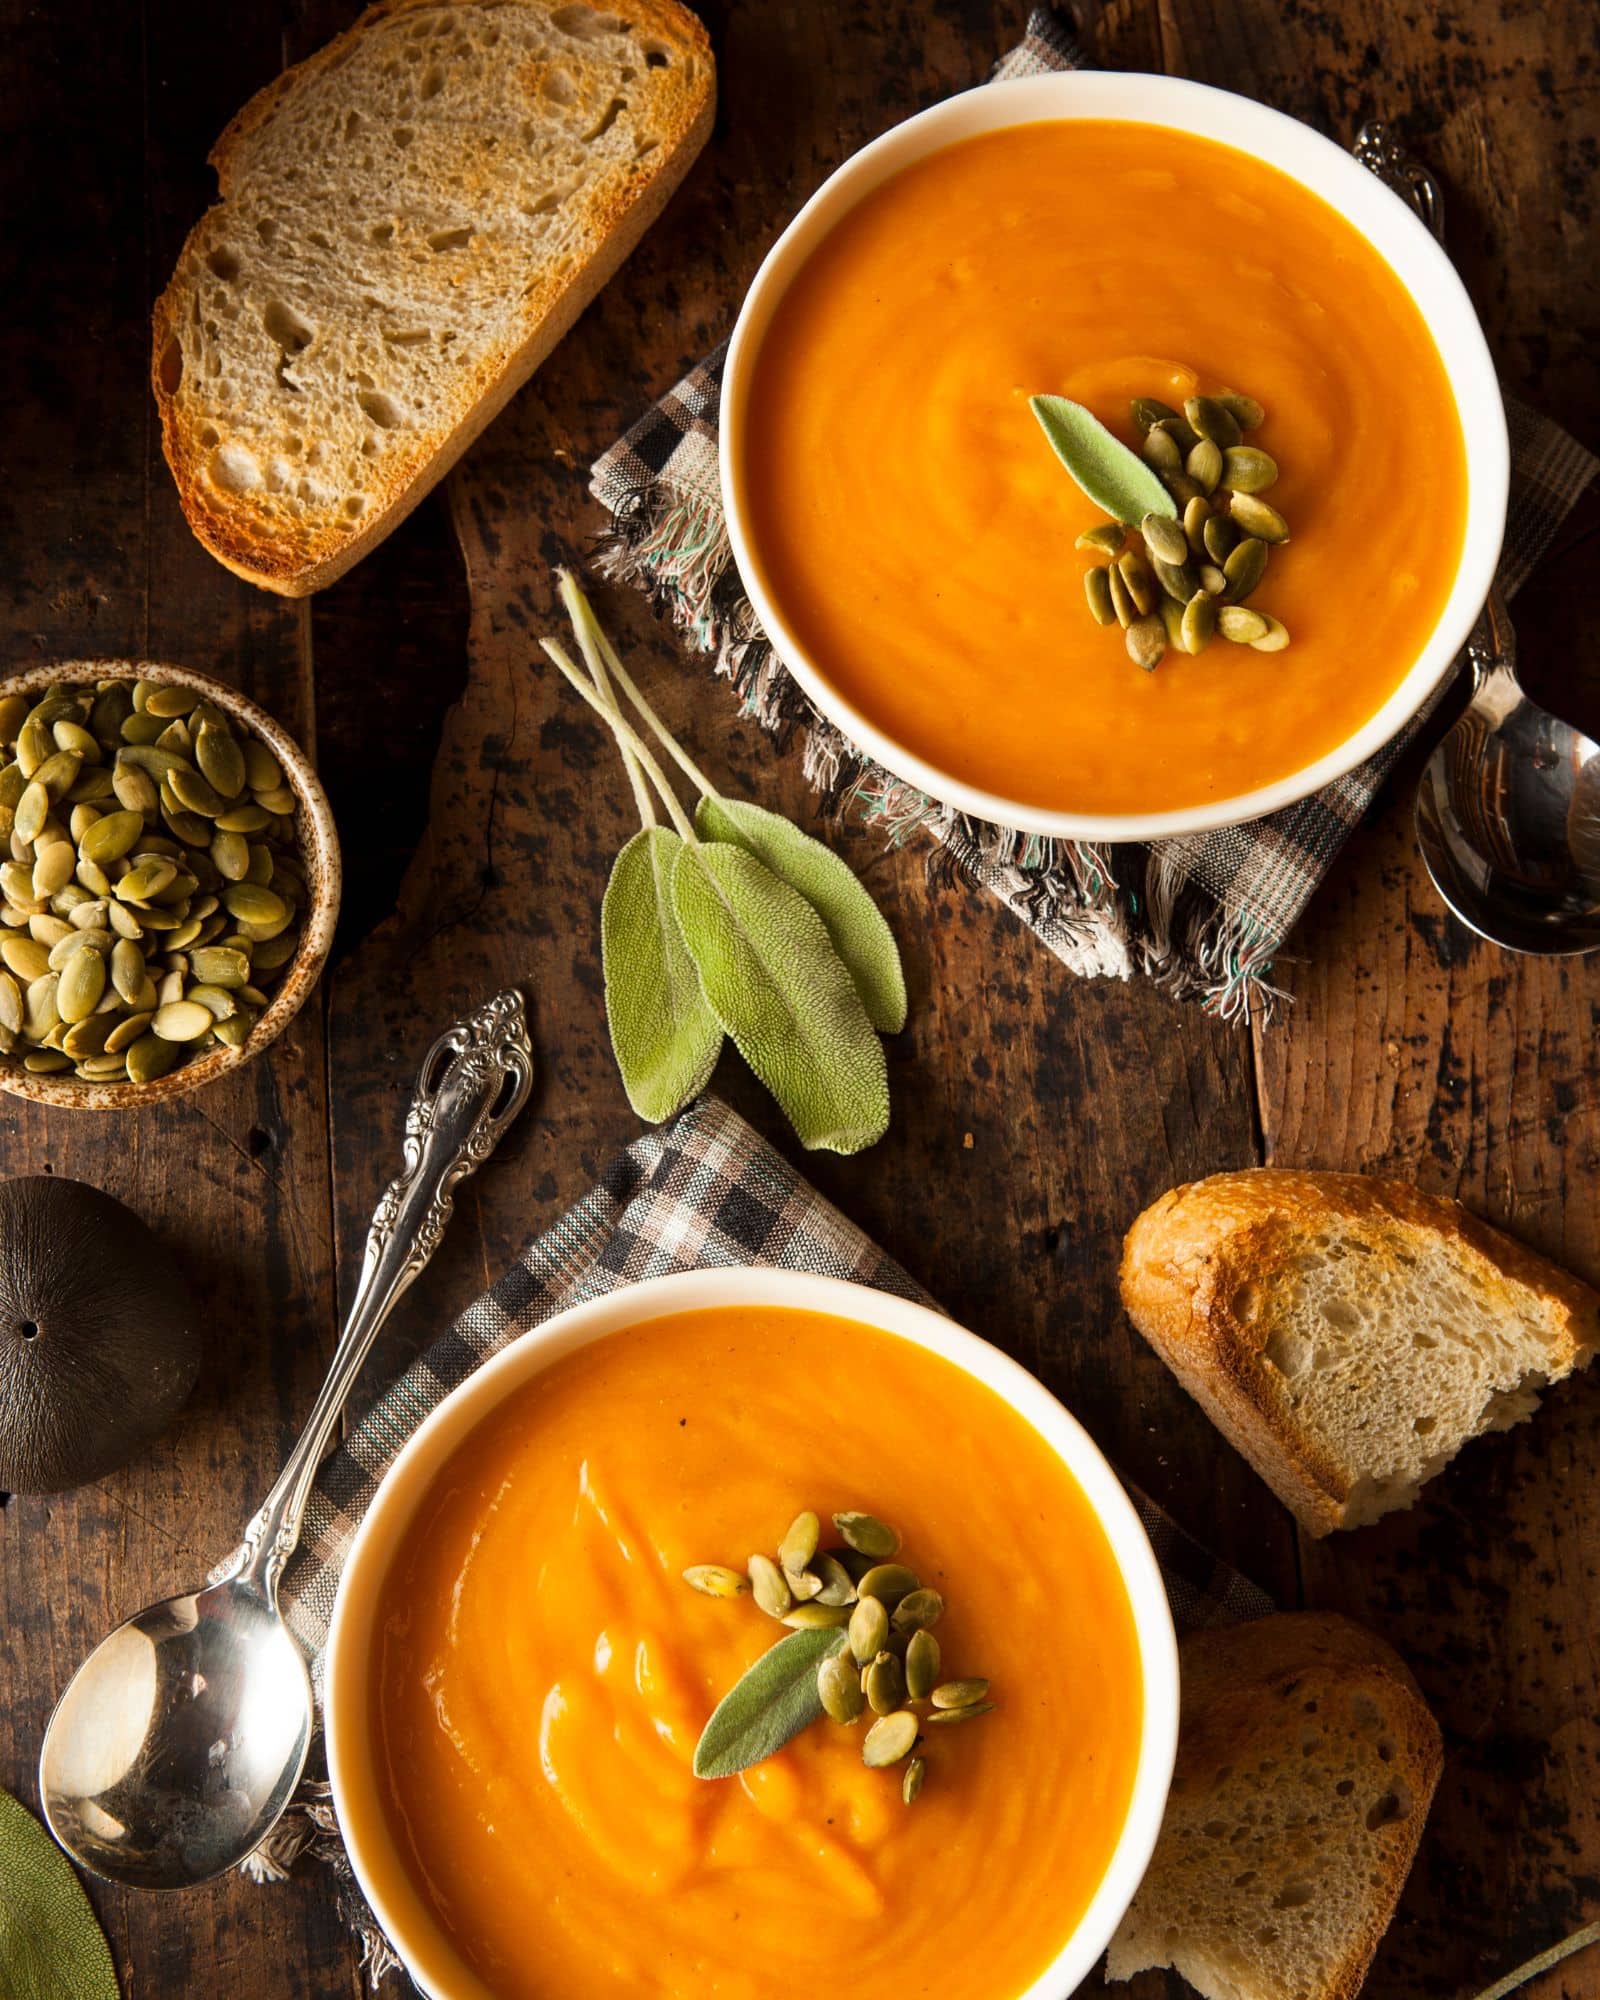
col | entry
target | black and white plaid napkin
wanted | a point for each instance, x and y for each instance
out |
(703, 1192)
(1205, 915)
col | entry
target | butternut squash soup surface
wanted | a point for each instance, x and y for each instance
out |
(912, 526)
(541, 1674)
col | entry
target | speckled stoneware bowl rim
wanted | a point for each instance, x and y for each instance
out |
(315, 836)
(426, 1949)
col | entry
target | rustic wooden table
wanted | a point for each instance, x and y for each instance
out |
(1033, 1114)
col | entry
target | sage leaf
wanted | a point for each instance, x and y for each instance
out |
(775, 982)
(665, 1037)
(1117, 480)
(852, 919)
(51, 1943)
(769, 1703)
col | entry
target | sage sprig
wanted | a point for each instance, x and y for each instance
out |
(736, 924)
(1117, 480)
(51, 1943)
(768, 1705)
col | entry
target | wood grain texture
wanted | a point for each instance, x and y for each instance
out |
(1033, 1115)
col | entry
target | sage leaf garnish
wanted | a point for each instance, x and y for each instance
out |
(51, 1943)
(768, 1705)
(781, 991)
(734, 922)
(1117, 480)
(852, 919)
(665, 1037)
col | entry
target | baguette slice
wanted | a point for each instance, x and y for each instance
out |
(410, 221)
(1307, 1760)
(1348, 1334)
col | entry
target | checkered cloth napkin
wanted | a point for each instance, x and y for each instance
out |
(1203, 916)
(702, 1192)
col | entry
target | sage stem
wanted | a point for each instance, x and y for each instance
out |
(630, 688)
(572, 599)
(625, 734)
(1579, 1941)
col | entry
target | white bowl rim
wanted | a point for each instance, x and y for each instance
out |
(1386, 221)
(432, 1962)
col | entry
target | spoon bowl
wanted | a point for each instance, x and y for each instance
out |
(1508, 811)
(180, 1740)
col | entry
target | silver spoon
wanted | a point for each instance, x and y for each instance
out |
(1508, 809)
(180, 1740)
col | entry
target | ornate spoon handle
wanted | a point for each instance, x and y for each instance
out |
(473, 1082)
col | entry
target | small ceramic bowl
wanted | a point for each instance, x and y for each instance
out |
(1328, 171)
(423, 1944)
(319, 854)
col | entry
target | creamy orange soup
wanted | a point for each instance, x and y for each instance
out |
(914, 529)
(542, 1674)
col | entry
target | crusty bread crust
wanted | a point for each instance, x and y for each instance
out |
(1246, 1693)
(235, 532)
(1196, 1252)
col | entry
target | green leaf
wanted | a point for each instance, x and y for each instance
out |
(770, 1703)
(1117, 480)
(775, 982)
(852, 919)
(664, 1035)
(51, 1943)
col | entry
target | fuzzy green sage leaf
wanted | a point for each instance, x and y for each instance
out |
(1117, 480)
(852, 919)
(665, 1037)
(51, 1943)
(773, 979)
(768, 1705)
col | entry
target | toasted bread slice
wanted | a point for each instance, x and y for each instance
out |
(1348, 1334)
(1307, 1760)
(409, 222)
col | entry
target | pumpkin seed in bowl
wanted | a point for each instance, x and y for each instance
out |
(153, 890)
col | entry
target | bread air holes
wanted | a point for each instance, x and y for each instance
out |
(558, 86)
(443, 240)
(1341, 1315)
(583, 24)
(1293, 1896)
(1290, 1353)
(171, 367)
(234, 469)
(430, 83)
(355, 506)
(292, 333)
(223, 263)
(384, 411)
(1393, 1805)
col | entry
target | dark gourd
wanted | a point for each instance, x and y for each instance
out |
(99, 1342)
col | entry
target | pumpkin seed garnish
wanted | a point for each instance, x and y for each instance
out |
(959, 1694)
(867, 1535)
(716, 1580)
(1220, 548)
(1212, 420)
(889, 1739)
(1147, 643)
(921, 1664)
(839, 1685)
(1107, 538)
(911, 1785)
(889, 1582)
(969, 1714)
(860, 1642)
(1165, 540)
(917, 1610)
(111, 808)
(885, 1684)
(768, 1587)
(1274, 639)
(1240, 624)
(1259, 518)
